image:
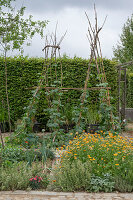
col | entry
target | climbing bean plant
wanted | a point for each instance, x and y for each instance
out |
(23, 74)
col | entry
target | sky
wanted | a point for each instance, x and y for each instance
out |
(70, 15)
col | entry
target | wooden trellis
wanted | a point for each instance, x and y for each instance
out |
(52, 51)
(122, 88)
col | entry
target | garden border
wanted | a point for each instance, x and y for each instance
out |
(40, 195)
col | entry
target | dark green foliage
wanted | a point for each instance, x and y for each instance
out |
(24, 139)
(24, 73)
(11, 154)
(124, 49)
(130, 90)
(61, 139)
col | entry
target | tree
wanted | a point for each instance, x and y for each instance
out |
(14, 32)
(124, 49)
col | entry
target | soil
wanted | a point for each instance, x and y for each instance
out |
(127, 133)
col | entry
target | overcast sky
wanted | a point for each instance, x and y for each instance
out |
(70, 15)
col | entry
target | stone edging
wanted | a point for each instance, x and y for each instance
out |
(45, 195)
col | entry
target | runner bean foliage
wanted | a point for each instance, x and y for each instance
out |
(24, 73)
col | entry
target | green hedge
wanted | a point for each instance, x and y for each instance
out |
(24, 72)
(129, 90)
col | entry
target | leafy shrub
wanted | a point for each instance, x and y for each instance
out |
(12, 154)
(71, 177)
(60, 139)
(17, 176)
(23, 139)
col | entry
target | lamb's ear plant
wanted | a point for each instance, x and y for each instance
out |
(14, 32)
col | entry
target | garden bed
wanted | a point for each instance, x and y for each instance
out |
(90, 163)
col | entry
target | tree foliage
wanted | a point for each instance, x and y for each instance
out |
(124, 49)
(14, 29)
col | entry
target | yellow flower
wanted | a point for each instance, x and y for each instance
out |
(115, 154)
(117, 164)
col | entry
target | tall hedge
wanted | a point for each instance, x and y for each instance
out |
(130, 90)
(24, 72)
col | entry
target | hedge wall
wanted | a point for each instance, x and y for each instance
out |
(130, 90)
(24, 72)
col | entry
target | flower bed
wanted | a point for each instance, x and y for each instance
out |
(92, 163)
(108, 162)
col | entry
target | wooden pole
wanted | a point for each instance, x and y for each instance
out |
(52, 88)
(2, 142)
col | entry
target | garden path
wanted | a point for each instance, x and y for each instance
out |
(45, 195)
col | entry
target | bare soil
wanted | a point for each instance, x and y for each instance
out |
(127, 133)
